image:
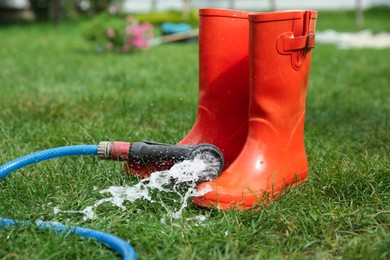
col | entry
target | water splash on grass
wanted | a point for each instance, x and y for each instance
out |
(180, 181)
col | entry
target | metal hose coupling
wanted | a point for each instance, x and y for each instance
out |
(148, 152)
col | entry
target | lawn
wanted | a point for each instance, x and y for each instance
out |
(56, 90)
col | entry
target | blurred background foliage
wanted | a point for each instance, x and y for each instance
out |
(95, 13)
(91, 28)
(58, 10)
(91, 14)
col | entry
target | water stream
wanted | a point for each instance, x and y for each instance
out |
(180, 181)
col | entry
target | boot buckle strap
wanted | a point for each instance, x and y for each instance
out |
(296, 47)
(310, 41)
(290, 43)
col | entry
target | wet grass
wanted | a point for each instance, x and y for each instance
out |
(57, 91)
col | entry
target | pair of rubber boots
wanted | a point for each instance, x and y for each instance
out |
(253, 75)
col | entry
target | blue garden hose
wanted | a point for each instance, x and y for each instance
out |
(115, 243)
(46, 155)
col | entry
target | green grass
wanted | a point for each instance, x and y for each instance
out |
(57, 91)
(376, 19)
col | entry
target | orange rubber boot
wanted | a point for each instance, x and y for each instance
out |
(222, 118)
(273, 156)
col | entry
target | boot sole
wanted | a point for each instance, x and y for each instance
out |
(263, 200)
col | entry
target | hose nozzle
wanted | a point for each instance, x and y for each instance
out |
(162, 156)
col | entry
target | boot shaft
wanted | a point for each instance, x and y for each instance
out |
(280, 49)
(224, 60)
(222, 117)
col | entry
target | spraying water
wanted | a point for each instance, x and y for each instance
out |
(181, 180)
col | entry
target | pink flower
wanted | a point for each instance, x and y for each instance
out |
(125, 47)
(130, 29)
(110, 32)
(110, 46)
(139, 43)
(113, 10)
(134, 36)
(146, 26)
